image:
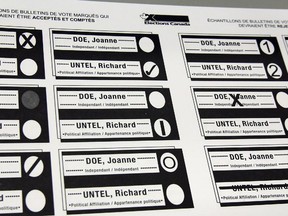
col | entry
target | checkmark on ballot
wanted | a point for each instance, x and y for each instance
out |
(151, 69)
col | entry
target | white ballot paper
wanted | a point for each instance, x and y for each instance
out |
(129, 109)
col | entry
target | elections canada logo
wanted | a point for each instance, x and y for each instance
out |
(157, 19)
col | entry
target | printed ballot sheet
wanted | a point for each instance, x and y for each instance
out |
(129, 109)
